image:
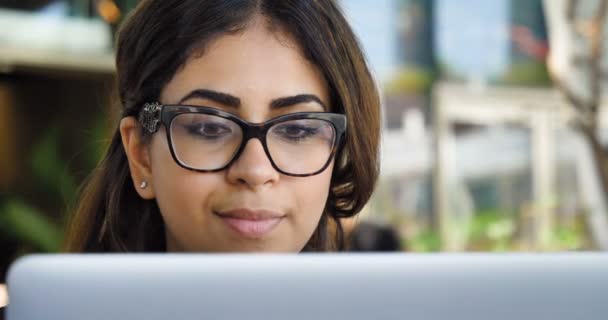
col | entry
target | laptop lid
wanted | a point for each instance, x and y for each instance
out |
(309, 286)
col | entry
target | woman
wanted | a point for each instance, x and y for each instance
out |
(248, 125)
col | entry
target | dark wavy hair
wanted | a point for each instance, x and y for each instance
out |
(156, 40)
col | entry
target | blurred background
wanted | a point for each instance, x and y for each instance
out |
(494, 122)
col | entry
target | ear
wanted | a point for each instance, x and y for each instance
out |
(138, 157)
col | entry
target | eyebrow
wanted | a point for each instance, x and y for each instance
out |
(234, 102)
(219, 97)
(290, 101)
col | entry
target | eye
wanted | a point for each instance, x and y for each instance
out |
(296, 132)
(208, 130)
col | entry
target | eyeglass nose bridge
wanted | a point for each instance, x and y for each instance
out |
(254, 131)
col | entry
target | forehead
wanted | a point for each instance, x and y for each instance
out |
(256, 65)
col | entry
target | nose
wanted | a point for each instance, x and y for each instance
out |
(253, 167)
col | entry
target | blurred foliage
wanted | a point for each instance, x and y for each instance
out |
(425, 241)
(498, 232)
(49, 169)
(36, 221)
(29, 226)
(492, 231)
(572, 238)
(527, 73)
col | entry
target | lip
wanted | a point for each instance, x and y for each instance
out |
(250, 223)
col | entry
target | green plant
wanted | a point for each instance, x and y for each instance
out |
(30, 226)
(425, 241)
(527, 74)
(35, 220)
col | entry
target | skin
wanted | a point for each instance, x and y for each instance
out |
(256, 66)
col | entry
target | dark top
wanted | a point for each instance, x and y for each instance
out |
(1, 313)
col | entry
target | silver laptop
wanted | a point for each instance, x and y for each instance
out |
(309, 286)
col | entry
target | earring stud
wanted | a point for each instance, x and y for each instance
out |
(143, 184)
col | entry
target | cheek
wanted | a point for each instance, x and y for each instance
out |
(180, 193)
(310, 195)
(311, 192)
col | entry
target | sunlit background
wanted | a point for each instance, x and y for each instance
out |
(493, 115)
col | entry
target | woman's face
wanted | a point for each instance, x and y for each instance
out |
(249, 206)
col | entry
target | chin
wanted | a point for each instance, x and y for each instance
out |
(255, 247)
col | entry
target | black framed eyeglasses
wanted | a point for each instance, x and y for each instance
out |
(206, 139)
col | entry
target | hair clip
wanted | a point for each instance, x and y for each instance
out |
(149, 116)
